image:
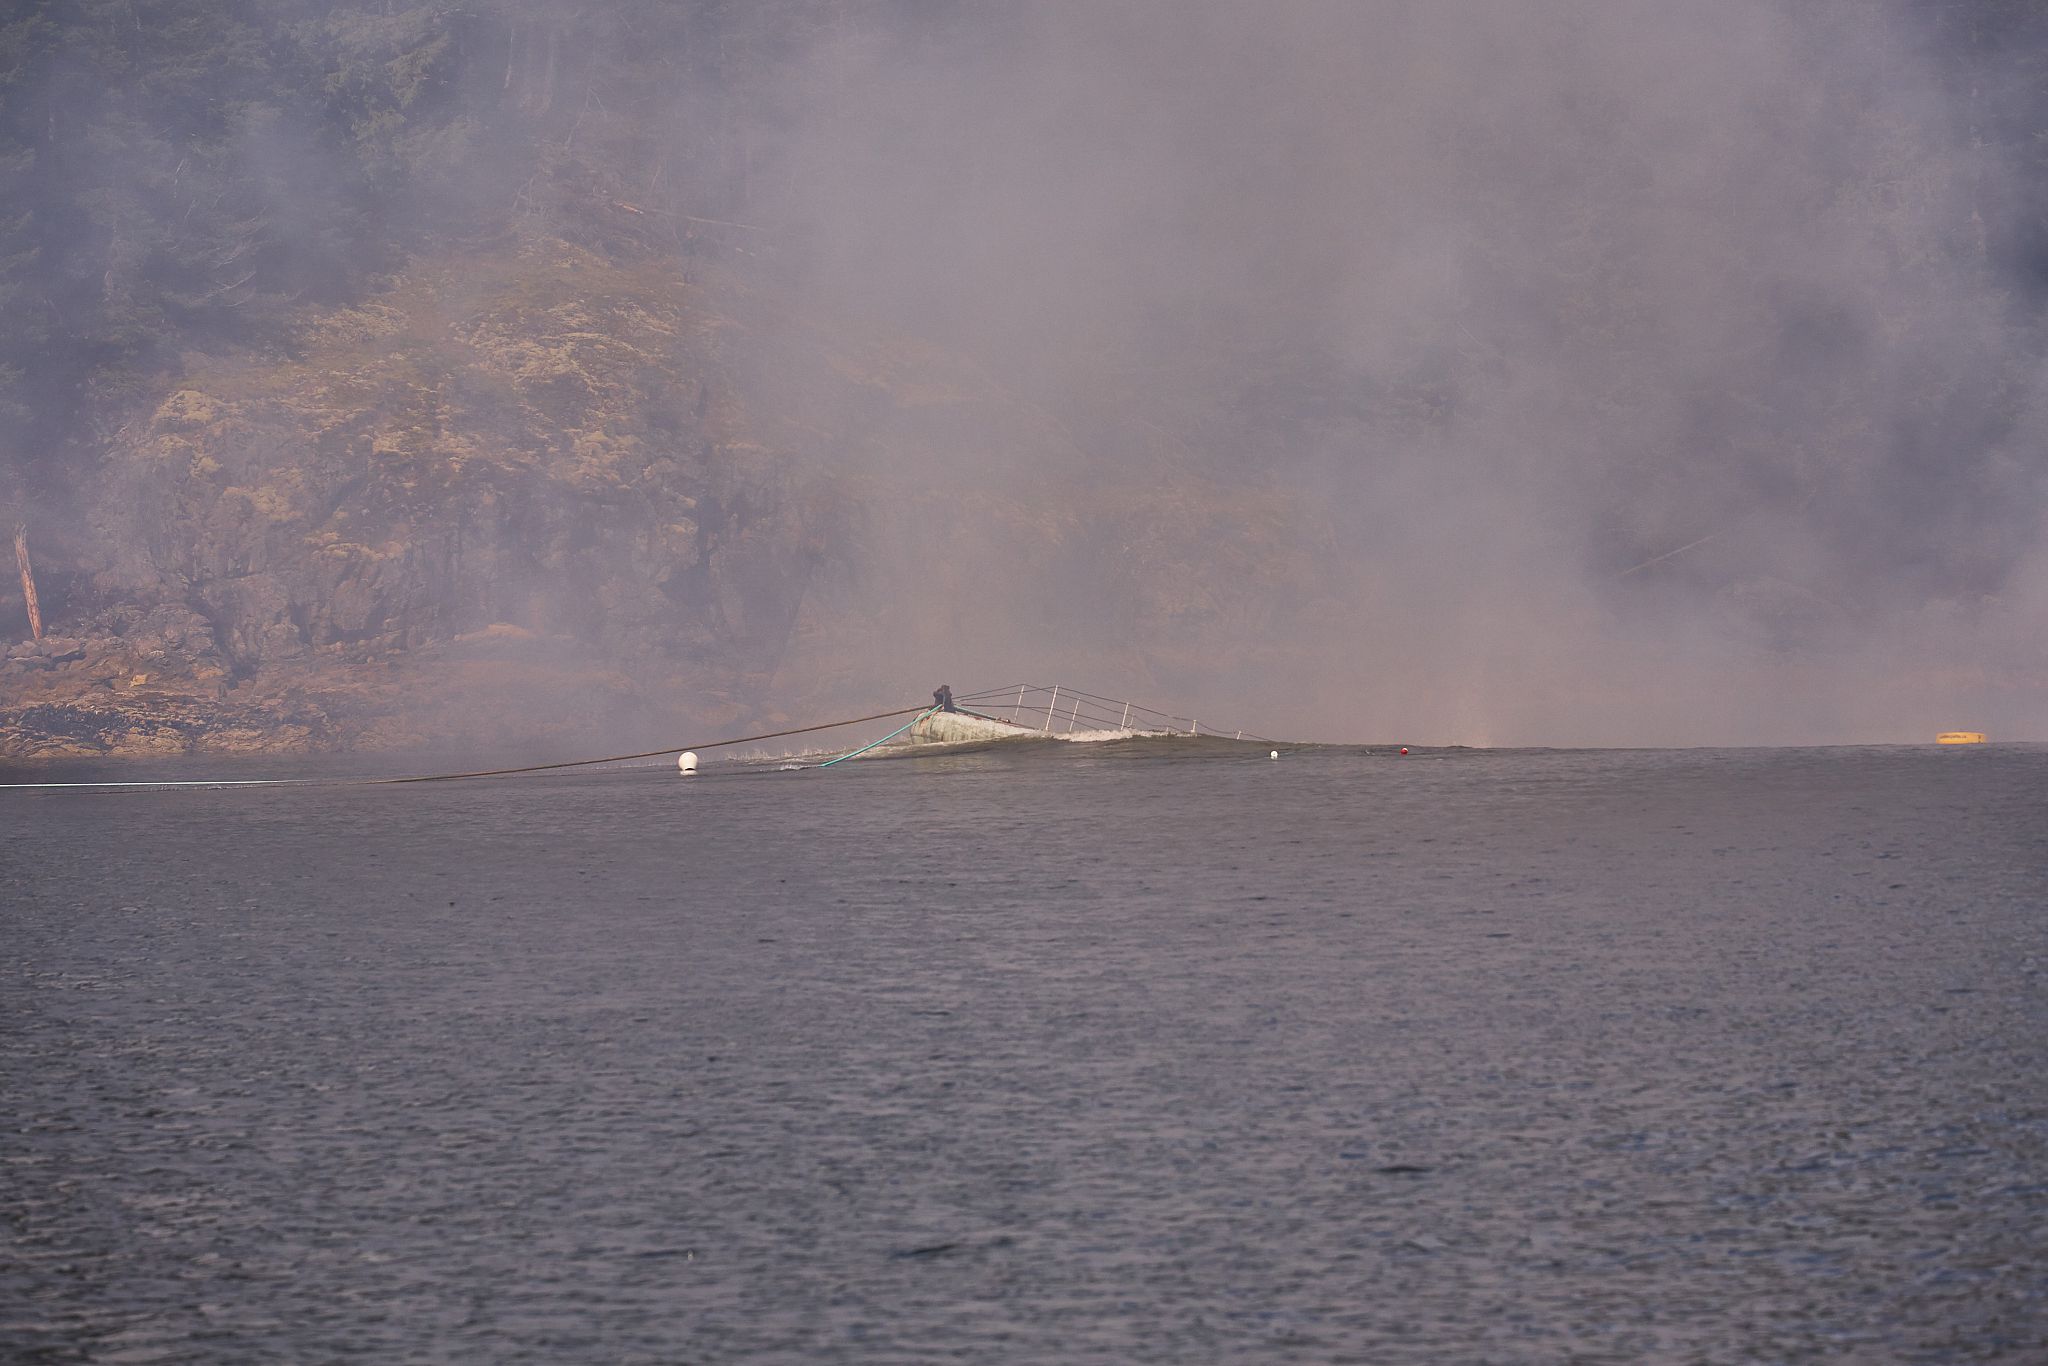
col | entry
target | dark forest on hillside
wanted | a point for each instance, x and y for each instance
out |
(178, 173)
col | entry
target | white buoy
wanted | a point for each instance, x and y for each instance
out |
(686, 763)
(1274, 755)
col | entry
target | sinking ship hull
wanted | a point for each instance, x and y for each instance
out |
(965, 728)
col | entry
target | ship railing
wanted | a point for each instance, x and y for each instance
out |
(1060, 710)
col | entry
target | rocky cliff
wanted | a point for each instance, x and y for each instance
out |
(537, 496)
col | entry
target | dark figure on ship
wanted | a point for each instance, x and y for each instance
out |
(943, 695)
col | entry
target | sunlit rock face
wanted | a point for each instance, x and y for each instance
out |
(539, 495)
(542, 442)
(536, 460)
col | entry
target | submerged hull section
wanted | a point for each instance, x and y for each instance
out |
(966, 727)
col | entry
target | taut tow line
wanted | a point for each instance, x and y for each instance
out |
(476, 773)
(649, 753)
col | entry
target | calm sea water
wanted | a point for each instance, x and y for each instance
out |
(1131, 1053)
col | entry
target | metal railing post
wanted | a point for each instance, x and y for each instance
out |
(1047, 727)
(1125, 724)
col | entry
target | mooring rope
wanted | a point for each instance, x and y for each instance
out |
(918, 713)
(651, 753)
(482, 772)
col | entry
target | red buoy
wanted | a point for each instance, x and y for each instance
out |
(1404, 749)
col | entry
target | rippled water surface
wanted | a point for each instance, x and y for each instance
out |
(1139, 1053)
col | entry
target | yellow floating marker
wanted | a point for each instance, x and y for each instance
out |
(1960, 737)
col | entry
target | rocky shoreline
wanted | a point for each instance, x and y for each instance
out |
(499, 690)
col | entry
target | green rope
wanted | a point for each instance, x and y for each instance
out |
(855, 754)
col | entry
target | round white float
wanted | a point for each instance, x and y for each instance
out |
(686, 763)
